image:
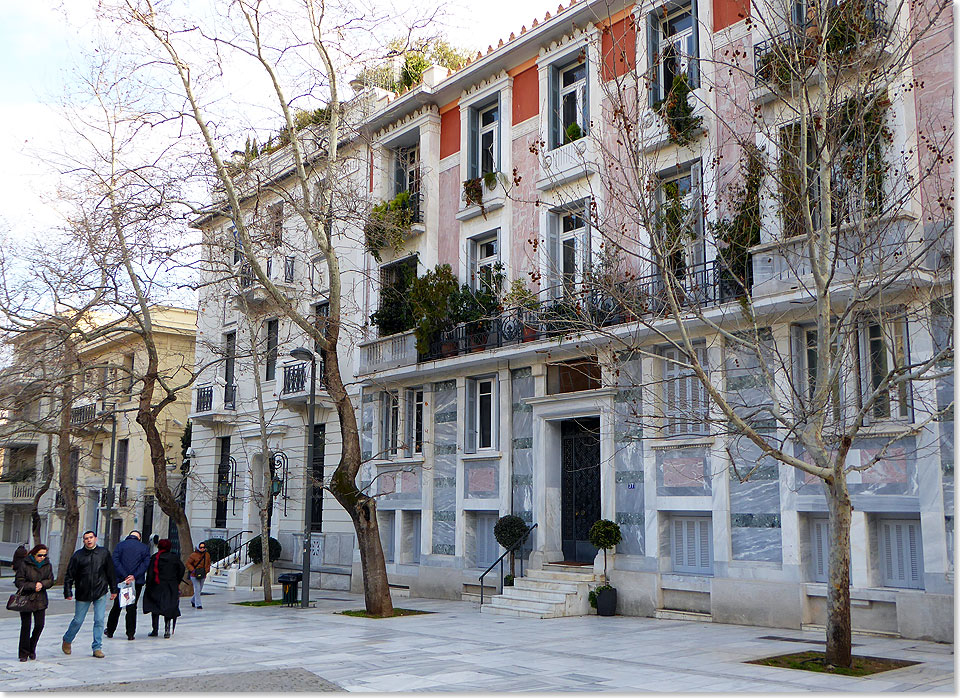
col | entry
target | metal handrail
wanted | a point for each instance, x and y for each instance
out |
(513, 548)
(233, 550)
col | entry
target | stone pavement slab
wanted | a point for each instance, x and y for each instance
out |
(455, 648)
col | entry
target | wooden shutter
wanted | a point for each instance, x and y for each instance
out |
(697, 252)
(586, 243)
(694, 65)
(671, 396)
(498, 165)
(556, 138)
(399, 172)
(473, 151)
(653, 50)
(408, 418)
(585, 104)
(799, 370)
(692, 545)
(386, 535)
(819, 549)
(470, 423)
(901, 554)
(555, 288)
(415, 522)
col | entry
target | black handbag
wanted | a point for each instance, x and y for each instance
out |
(24, 603)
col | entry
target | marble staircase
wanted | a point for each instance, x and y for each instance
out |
(552, 592)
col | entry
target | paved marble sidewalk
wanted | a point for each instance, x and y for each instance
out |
(454, 649)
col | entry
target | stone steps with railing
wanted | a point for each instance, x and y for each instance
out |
(553, 592)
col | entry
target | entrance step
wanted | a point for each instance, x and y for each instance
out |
(855, 631)
(546, 593)
(670, 614)
(471, 592)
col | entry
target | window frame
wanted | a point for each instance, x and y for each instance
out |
(413, 421)
(656, 19)
(893, 335)
(907, 556)
(473, 426)
(406, 174)
(580, 87)
(493, 129)
(389, 424)
(675, 421)
(478, 264)
(272, 349)
(557, 239)
(694, 251)
(806, 351)
(275, 223)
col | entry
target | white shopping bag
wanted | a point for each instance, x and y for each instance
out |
(128, 594)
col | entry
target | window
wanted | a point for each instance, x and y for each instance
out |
(798, 164)
(571, 103)
(273, 327)
(485, 139)
(673, 40)
(481, 425)
(394, 313)
(573, 376)
(484, 256)
(128, 374)
(568, 238)
(120, 472)
(289, 269)
(317, 282)
(884, 353)
(229, 358)
(407, 173)
(414, 422)
(412, 521)
(692, 545)
(808, 363)
(321, 311)
(819, 549)
(680, 221)
(685, 405)
(319, 439)
(237, 245)
(275, 223)
(901, 553)
(389, 424)
(387, 520)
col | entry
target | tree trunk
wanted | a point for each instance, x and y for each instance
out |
(68, 485)
(47, 478)
(838, 588)
(361, 508)
(266, 569)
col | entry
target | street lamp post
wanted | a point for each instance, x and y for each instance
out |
(307, 355)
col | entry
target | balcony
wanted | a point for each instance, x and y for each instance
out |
(119, 498)
(477, 198)
(388, 352)
(214, 403)
(294, 387)
(703, 285)
(851, 24)
(91, 417)
(17, 492)
(251, 293)
(567, 162)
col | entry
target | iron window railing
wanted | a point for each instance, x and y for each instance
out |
(205, 398)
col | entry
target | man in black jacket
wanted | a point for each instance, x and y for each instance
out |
(91, 570)
(130, 560)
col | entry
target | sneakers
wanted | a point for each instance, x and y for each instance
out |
(98, 654)
(199, 608)
(110, 635)
(65, 647)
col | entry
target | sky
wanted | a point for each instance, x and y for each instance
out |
(39, 48)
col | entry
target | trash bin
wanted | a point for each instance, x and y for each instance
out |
(291, 587)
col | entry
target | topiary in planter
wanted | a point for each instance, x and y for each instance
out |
(256, 554)
(508, 530)
(217, 547)
(605, 534)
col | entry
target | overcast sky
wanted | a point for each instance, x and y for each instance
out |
(38, 49)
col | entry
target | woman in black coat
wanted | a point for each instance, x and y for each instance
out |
(162, 594)
(34, 577)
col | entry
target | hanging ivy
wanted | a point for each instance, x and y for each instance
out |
(388, 224)
(736, 234)
(677, 112)
(675, 227)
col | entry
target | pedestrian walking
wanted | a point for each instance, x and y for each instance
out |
(162, 594)
(198, 566)
(130, 560)
(18, 555)
(34, 577)
(91, 570)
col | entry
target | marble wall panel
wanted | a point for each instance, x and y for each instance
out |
(683, 471)
(628, 459)
(521, 382)
(894, 474)
(444, 468)
(755, 532)
(481, 479)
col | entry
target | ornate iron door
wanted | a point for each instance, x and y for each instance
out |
(579, 486)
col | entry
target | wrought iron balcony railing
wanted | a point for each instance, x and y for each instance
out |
(205, 398)
(83, 414)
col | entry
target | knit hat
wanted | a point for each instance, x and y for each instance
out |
(163, 545)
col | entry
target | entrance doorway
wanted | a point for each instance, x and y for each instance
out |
(579, 486)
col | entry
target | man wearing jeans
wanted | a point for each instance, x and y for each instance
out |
(91, 571)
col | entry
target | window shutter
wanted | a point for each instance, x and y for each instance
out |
(495, 414)
(704, 526)
(819, 533)
(553, 256)
(498, 165)
(694, 70)
(670, 391)
(470, 426)
(902, 554)
(554, 115)
(399, 175)
(587, 252)
(799, 369)
(679, 551)
(585, 103)
(470, 254)
(913, 552)
(408, 423)
(698, 396)
(474, 149)
(697, 255)
(653, 48)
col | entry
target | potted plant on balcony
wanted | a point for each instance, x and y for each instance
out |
(572, 133)
(388, 224)
(473, 192)
(524, 301)
(604, 534)
(433, 298)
